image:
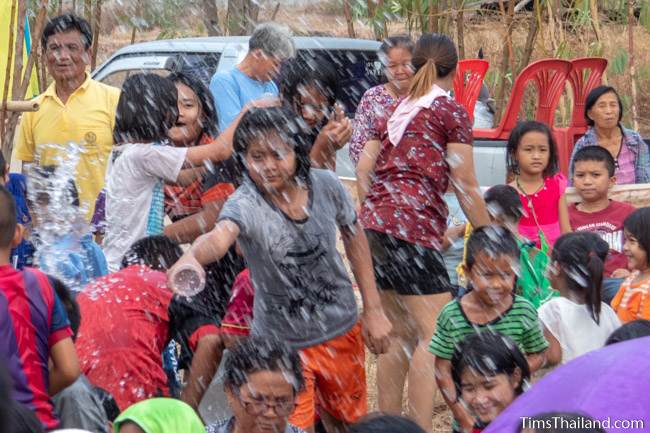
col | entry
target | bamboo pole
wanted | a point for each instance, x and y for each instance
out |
(630, 29)
(5, 90)
(33, 52)
(460, 29)
(97, 23)
(347, 10)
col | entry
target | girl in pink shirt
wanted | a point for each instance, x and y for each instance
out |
(532, 158)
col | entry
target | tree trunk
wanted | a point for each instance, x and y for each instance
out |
(347, 10)
(506, 56)
(211, 18)
(630, 29)
(97, 25)
(460, 29)
(59, 9)
(241, 17)
(88, 7)
(433, 16)
(533, 27)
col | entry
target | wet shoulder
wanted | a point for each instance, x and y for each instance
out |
(451, 311)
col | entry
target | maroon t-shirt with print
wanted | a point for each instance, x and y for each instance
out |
(608, 223)
(406, 197)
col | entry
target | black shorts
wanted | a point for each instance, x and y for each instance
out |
(407, 268)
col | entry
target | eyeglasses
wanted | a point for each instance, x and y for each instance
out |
(259, 407)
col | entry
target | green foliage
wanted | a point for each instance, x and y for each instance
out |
(644, 18)
(619, 63)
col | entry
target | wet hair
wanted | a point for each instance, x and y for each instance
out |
(209, 121)
(69, 303)
(595, 153)
(259, 123)
(561, 422)
(493, 240)
(638, 224)
(434, 57)
(65, 23)
(489, 353)
(382, 423)
(273, 39)
(157, 252)
(43, 180)
(396, 41)
(255, 354)
(514, 140)
(635, 329)
(594, 96)
(108, 403)
(302, 72)
(504, 200)
(7, 217)
(579, 255)
(147, 108)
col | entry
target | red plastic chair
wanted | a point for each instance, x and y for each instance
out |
(468, 82)
(549, 76)
(586, 74)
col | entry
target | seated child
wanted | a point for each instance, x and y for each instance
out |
(631, 302)
(130, 316)
(23, 254)
(35, 343)
(593, 176)
(577, 321)
(80, 405)
(491, 267)
(64, 245)
(506, 210)
(489, 372)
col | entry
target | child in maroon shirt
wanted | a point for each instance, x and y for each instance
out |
(593, 175)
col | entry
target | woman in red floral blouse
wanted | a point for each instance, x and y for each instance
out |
(425, 143)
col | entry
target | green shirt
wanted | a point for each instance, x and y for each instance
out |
(519, 322)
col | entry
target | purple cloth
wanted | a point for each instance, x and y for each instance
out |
(98, 223)
(610, 383)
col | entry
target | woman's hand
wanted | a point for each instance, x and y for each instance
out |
(376, 330)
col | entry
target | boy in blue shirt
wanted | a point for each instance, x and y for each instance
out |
(65, 248)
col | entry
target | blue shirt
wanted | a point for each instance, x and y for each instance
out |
(226, 426)
(76, 261)
(232, 90)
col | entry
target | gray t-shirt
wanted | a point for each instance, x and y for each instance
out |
(303, 294)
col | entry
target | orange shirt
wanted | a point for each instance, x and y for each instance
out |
(632, 301)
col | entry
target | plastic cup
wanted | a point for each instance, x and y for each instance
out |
(188, 280)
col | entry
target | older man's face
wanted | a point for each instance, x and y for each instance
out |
(66, 55)
(268, 67)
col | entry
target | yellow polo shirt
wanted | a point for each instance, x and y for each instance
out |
(87, 118)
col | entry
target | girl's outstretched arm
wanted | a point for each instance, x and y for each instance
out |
(207, 249)
(376, 326)
(563, 211)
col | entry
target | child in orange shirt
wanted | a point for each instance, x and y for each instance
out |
(632, 301)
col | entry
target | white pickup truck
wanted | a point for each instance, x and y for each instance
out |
(355, 59)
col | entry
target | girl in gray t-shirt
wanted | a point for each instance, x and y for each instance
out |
(284, 216)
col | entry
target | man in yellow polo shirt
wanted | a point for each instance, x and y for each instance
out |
(75, 109)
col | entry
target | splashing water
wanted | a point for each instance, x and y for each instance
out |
(58, 219)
